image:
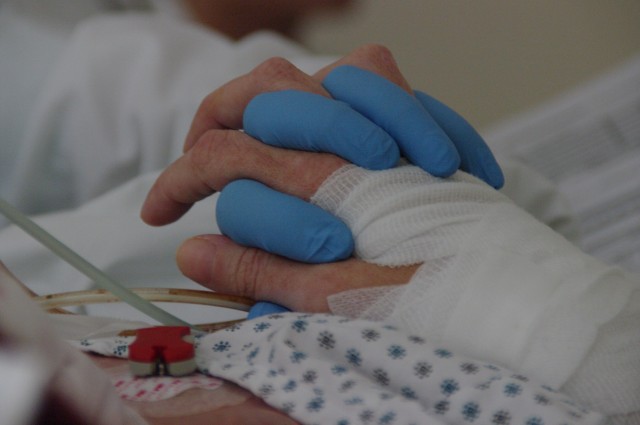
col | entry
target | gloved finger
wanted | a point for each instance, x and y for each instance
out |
(221, 156)
(218, 263)
(420, 138)
(310, 122)
(475, 156)
(223, 108)
(263, 308)
(254, 215)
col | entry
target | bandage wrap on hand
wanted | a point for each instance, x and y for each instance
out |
(404, 215)
(495, 283)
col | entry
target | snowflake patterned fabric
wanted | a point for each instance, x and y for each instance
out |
(323, 369)
(330, 370)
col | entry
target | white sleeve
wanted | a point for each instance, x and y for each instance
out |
(495, 283)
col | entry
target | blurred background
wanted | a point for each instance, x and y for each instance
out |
(489, 59)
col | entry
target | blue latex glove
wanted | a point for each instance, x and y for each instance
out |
(310, 122)
(369, 117)
(370, 122)
(263, 308)
(255, 215)
(475, 156)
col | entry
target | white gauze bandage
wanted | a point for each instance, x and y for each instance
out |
(494, 284)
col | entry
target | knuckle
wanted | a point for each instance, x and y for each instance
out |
(275, 69)
(210, 105)
(251, 264)
(213, 155)
(376, 53)
(277, 73)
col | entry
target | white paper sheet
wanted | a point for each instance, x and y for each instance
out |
(588, 142)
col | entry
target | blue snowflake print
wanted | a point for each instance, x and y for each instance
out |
(469, 368)
(265, 391)
(245, 347)
(299, 325)
(370, 335)
(520, 378)
(120, 350)
(233, 327)
(548, 388)
(417, 340)
(353, 357)
(310, 377)
(290, 386)
(441, 407)
(408, 393)
(318, 391)
(387, 418)
(316, 404)
(449, 386)
(288, 407)
(261, 327)
(353, 401)
(343, 422)
(347, 385)
(535, 421)
(512, 389)
(541, 399)
(252, 355)
(396, 352)
(272, 373)
(470, 411)
(492, 367)
(442, 353)
(297, 357)
(390, 327)
(247, 375)
(366, 415)
(85, 343)
(326, 340)
(221, 346)
(339, 370)
(501, 417)
(422, 370)
(227, 366)
(381, 377)
(272, 355)
(275, 316)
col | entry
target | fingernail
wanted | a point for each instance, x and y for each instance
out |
(195, 258)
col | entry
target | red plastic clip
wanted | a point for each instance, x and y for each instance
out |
(162, 350)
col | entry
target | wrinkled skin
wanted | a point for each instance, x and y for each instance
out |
(215, 153)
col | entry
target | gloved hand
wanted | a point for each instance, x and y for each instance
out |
(253, 214)
(370, 122)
